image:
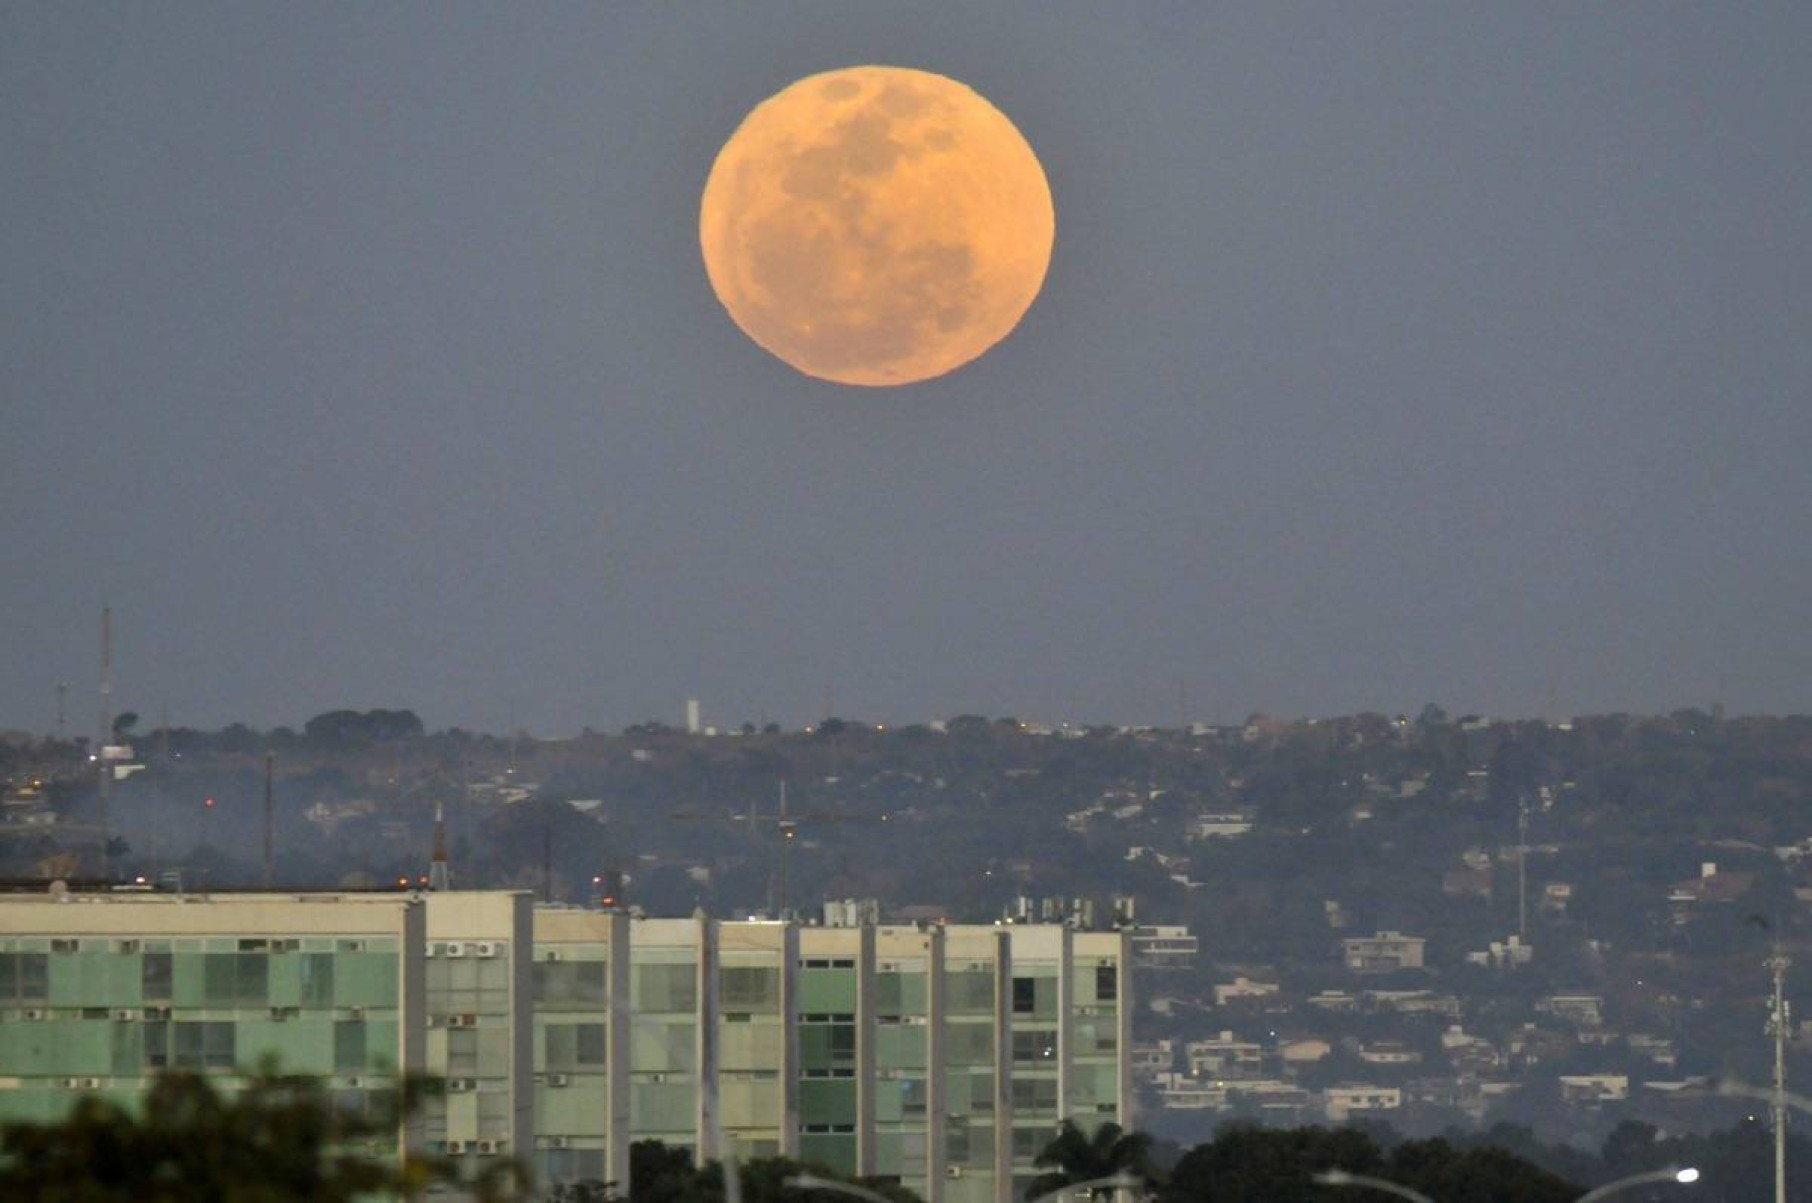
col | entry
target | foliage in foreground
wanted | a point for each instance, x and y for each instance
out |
(274, 1138)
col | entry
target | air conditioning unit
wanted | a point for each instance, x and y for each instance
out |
(355, 1012)
(125, 946)
(456, 1021)
(124, 1014)
(485, 949)
(355, 1083)
(461, 1085)
(91, 1083)
(431, 951)
(36, 1014)
(552, 955)
(457, 1146)
(558, 1079)
(953, 1171)
(456, 950)
(157, 1012)
(489, 1148)
(71, 1083)
(559, 1142)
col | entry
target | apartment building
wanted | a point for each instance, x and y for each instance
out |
(941, 1057)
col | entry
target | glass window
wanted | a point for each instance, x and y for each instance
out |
(569, 982)
(199, 1046)
(560, 1046)
(220, 979)
(128, 1051)
(970, 991)
(666, 987)
(252, 979)
(349, 1046)
(1107, 983)
(591, 1044)
(34, 977)
(155, 976)
(157, 1044)
(317, 979)
(749, 988)
(1034, 1046)
(1025, 995)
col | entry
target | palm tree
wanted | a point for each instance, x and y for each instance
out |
(1074, 1157)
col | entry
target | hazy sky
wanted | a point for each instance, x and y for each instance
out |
(362, 355)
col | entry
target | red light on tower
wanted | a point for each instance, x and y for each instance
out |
(208, 803)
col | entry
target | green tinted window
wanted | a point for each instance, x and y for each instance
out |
(155, 977)
(317, 979)
(349, 1047)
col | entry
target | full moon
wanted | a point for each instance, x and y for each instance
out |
(876, 225)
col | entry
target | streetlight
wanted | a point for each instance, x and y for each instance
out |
(1124, 1180)
(813, 1182)
(1339, 1177)
(1680, 1174)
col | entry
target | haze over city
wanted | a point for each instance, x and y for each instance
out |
(1386, 356)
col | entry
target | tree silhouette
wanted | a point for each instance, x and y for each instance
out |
(277, 1138)
(1073, 1156)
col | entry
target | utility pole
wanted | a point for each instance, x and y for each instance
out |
(1777, 1025)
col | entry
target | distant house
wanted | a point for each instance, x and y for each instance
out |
(1151, 1058)
(1344, 1102)
(1220, 824)
(1242, 987)
(1710, 886)
(1470, 1055)
(1388, 1052)
(1180, 1092)
(1583, 1010)
(1303, 1050)
(1508, 953)
(1226, 1057)
(1163, 946)
(1593, 1089)
(1385, 952)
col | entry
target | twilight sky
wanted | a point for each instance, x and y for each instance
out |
(362, 355)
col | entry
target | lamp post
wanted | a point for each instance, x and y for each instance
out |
(1339, 1177)
(1124, 1180)
(813, 1182)
(1682, 1175)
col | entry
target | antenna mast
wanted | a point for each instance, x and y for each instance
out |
(1522, 872)
(106, 739)
(438, 876)
(1777, 1026)
(270, 763)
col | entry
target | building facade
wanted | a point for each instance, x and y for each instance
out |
(939, 1057)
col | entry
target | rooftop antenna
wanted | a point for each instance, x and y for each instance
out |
(106, 738)
(270, 764)
(62, 691)
(438, 878)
